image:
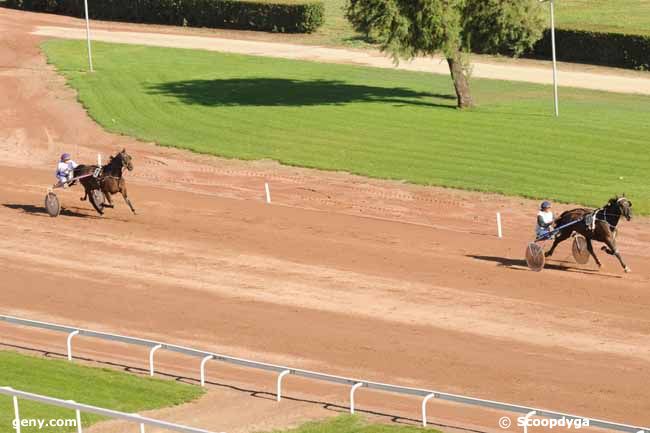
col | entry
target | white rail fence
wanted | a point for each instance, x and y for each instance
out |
(283, 371)
(79, 407)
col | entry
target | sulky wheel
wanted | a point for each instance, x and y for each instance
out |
(580, 250)
(96, 197)
(535, 257)
(52, 205)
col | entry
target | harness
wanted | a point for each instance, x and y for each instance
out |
(104, 176)
(589, 220)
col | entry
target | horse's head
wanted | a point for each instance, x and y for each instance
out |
(127, 160)
(624, 206)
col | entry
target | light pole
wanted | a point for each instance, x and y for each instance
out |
(90, 56)
(552, 3)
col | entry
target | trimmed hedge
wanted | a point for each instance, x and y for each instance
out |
(608, 49)
(284, 17)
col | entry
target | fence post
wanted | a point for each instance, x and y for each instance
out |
(424, 408)
(354, 388)
(141, 427)
(79, 427)
(78, 417)
(279, 387)
(151, 352)
(70, 335)
(203, 361)
(16, 414)
(526, 418)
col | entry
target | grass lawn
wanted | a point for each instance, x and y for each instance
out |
(621, 16)
(353, 424)
(99, 387)
(374, 122)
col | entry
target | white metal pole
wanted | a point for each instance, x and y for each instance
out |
(499, 231)
(69, 343)
(424, 408)
(352, 391)
(279, 384)
(90, 56)
(526, 418)
(16, 414)
(557, 109)
(203, 361)
(151, 352)
(79, 426)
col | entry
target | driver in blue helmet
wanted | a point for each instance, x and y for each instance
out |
(65, 170)
(545, 219)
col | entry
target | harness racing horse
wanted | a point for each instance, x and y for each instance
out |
(109, 181)
(602, 228)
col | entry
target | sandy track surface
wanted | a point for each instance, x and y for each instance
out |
(498, 71)
(358, 277)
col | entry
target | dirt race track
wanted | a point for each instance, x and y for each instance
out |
(342, 274)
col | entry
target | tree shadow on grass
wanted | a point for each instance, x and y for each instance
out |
(290, 93)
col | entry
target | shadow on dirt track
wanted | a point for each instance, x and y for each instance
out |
(41, 211)
(520, 265)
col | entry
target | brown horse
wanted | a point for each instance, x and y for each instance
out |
(602, 228)
(109, 181)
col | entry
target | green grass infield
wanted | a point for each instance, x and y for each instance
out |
(374, 122)
(61, 379)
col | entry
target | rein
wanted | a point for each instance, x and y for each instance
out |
(604, 210)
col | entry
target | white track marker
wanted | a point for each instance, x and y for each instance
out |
(268, 192)
(499, 231)
(99, 159)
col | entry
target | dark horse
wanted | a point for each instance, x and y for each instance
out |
(602, 229)
(109, 181)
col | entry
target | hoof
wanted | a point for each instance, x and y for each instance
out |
(627, 270)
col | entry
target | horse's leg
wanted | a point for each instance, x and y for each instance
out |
(611, 244)
(560, 238)
(607, 249)
(107, 195)
(590, 248)
(122, 185)
(85, 192)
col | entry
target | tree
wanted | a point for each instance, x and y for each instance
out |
(411, 28)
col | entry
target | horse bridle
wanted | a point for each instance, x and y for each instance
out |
(121, 170)
(604, 209)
